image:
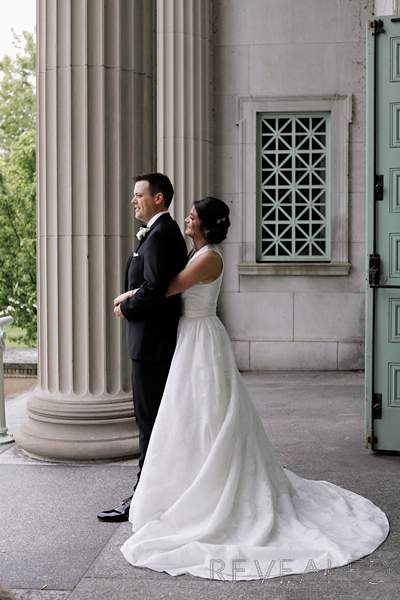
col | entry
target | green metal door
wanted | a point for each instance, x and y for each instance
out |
(382, 389)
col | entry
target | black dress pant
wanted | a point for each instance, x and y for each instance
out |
(148, 383)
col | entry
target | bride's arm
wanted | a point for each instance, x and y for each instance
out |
(204, 269)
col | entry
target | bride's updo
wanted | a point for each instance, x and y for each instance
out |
(214, 216)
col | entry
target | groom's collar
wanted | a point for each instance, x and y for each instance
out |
(155, 217)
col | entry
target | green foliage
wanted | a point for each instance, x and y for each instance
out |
(18, 188)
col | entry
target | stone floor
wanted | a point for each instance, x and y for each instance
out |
(52, 547)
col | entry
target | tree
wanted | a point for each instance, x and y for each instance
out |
(18, 188)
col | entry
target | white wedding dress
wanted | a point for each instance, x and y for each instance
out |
(213, 499)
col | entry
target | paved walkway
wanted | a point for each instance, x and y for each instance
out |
(52, 547)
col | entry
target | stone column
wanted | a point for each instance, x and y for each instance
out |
(95, 107)
(184, 149)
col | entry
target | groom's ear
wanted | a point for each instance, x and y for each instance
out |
(159, 199)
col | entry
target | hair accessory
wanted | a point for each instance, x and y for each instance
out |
(218, 221)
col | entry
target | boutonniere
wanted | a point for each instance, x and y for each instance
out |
(143, 231)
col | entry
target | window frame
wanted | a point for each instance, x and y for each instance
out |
(340, 109)
(285, 258)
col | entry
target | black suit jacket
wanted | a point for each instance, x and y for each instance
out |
(152, 319)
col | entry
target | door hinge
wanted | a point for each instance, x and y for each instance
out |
(371, 440)
(377, 26)
(374, 270)
(378, 187)
(377, 406)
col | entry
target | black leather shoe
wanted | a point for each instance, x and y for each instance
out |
(118, 514)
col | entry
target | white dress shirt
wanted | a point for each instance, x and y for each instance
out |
(155, 217)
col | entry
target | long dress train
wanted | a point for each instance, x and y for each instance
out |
(213, 500)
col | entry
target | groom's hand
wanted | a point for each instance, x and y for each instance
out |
(124, 296)
(117, 311)
(121, 298)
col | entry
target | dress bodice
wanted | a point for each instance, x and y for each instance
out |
(201, 299)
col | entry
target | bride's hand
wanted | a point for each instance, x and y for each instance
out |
(124, 296)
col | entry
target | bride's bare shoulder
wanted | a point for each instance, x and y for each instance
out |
(212, 264)
(214, 256)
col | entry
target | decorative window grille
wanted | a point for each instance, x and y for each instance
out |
(293, 156)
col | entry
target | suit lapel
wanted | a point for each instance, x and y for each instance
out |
(157, 223)
(161, 219)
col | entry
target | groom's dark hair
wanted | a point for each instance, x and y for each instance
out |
(158, 182)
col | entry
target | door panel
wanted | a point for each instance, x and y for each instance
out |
(383, 236)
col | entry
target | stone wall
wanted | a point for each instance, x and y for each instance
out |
(272, 48)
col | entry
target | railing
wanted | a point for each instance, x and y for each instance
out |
(5, 437)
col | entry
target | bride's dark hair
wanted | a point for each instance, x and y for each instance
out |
(214, 216)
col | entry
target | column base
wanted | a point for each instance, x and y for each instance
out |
(77, 428)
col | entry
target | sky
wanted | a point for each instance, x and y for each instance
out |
(19, 15)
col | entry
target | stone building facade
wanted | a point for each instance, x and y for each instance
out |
(296, 56)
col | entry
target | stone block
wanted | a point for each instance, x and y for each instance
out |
(238, 22)
(231, 70)
(350, 67)
(230, 282)
(242, 354)
(225, 115)
(318, 356)
(265, 316)
(293, 69)
(351, 356)
(225, 169)
(335, 316)
(357, 168)
(357, 217)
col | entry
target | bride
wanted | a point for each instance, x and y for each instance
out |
(213, 500)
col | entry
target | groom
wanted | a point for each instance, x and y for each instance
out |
(152, 319)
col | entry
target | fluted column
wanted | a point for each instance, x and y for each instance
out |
(184, 149)
(95, 107)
